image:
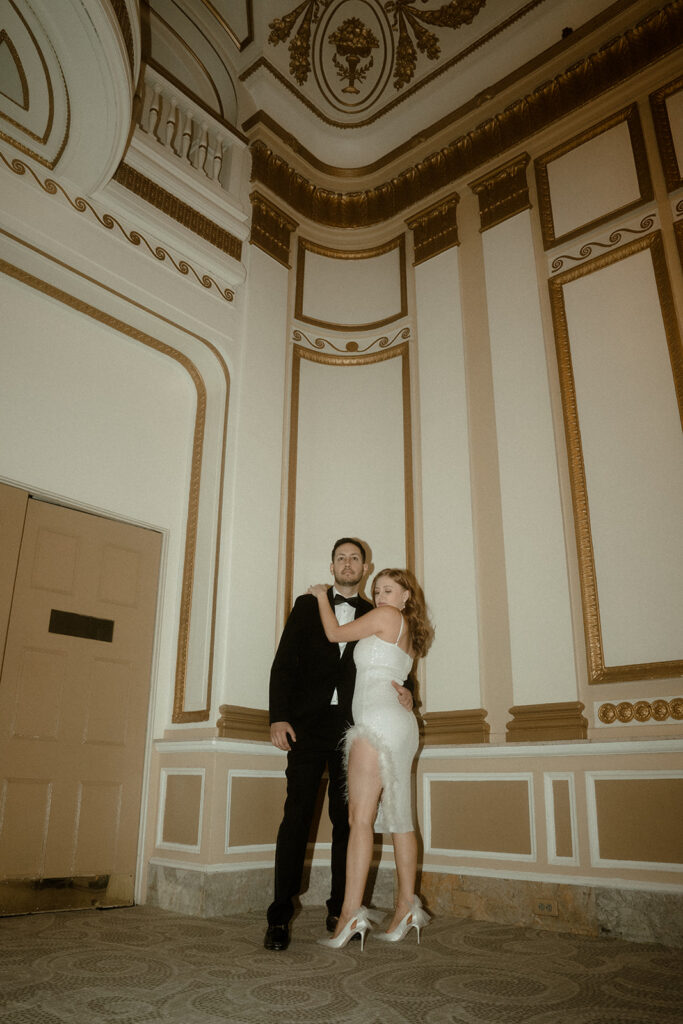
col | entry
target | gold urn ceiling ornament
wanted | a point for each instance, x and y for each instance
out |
(349, 39)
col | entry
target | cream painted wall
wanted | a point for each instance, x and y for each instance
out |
(633, 457)
(342, 291)
(100, 422)
(541, 640)
(452, 668)
(350, 479)
(253, 509)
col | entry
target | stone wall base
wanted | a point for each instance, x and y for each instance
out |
(636, 915)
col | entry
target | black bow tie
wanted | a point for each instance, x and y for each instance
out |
(339, 599)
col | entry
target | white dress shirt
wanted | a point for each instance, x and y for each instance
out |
(344, 613)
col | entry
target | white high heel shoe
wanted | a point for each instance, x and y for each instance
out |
(416, 918)
(358, 924)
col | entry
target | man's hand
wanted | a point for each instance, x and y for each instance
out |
(280, 735)
(405, 697)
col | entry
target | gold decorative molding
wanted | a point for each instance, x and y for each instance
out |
(503, 192)
(401, 352)
(435, 229)
(615, 238)
(179, 714)
(121, 12)
(353, 38)
(241, 44)
(631, 117)
(305, 245)
(597, 670)
(641, 711)
(673, 173)
(652, 38)
(173, 207)
(321, 344)
(454, 727)
(242, 723)
(81, 205)
(5, 40)
(535, 723)
(271, 228)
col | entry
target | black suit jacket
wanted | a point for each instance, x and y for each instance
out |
(307, 668)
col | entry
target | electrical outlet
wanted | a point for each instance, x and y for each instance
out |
(546, 908)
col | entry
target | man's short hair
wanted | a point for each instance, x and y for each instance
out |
(349, 540)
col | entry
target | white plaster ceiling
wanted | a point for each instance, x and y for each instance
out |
(353, 79)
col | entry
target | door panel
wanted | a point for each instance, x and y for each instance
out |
(74, 695)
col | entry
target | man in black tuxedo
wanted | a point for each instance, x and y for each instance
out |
(311, 689)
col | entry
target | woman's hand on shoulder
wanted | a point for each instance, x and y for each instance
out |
(318, 589)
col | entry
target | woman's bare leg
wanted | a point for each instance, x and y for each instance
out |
(405, 857)
(365, 787)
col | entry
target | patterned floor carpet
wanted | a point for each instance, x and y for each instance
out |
(147, 966)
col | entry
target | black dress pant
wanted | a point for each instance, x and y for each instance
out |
(315, 750)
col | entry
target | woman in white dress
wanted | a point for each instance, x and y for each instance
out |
(380, 746)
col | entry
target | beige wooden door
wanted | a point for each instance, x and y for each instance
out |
(74, 696)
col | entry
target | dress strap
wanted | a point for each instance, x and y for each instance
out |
(400, 631)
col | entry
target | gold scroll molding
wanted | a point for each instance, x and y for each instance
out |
(240, 723)
(179, 714)
(169, 204)
(673, 173)
(631, 117)
(81, 205)
(321, 344)
(615, 237)
(453, 727)
(305, 245)
(535, 723)
(652, 38)
(348, 362)
(503, 192)
(597, 670)
(271, 229)
(121, 12)
(435, 229)
(641, 711)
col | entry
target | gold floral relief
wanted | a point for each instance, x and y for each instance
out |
(597, 670)
(641, 711)
(271, 229)
(653, 37)
(435, 229)
(503, 192)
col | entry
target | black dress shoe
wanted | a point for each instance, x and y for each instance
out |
(276, 937)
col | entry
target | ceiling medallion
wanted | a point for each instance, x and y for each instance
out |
(353, 41)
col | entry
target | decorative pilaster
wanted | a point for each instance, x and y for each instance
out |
(452, 727)
(435, 229)
(238, 723)
(502, 193)
(533, 723)
(271, 229)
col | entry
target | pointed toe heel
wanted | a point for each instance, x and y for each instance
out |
(358, 924)
(417, 918)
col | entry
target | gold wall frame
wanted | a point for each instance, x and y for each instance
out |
(180, 715)
(306, 245)
(673, 173)
(401, 352)
(503, 192)
(598, 672)
(631, 117)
